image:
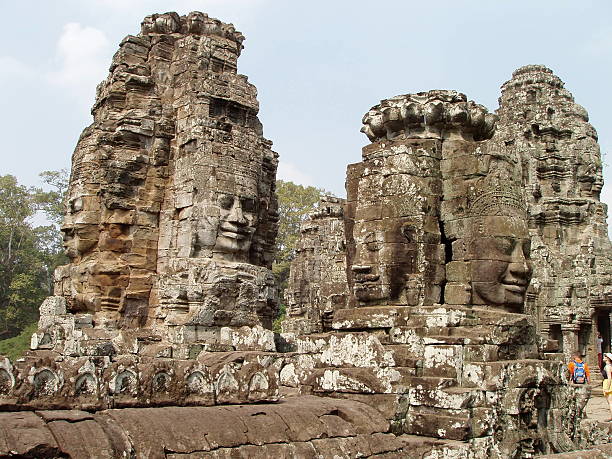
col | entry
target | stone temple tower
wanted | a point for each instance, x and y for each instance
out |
(562, 174)
(412, 327)
(170, 225)
(172, 185)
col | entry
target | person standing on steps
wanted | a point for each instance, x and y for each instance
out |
(578, 370)
(607, 382)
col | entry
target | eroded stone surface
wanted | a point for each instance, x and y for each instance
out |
(299, 427)
(439, 239)
(171, 206)
(170, 224)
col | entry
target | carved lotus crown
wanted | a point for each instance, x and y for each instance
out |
(432, 114)
(483, 201)
(534, 74)
(195, 23)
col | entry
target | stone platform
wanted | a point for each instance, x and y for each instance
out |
(300, 427)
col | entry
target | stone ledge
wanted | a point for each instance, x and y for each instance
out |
(43, 380)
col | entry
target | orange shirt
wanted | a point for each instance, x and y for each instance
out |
(572, 365)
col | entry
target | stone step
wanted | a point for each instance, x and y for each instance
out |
(447, 424)
(450, 398)
(432, 382)
(392, 380)
(426, 446)
(371, 317)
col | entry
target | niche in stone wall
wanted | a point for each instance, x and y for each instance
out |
(554, 332)
(235, 113)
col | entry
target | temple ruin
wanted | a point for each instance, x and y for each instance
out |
(429, 314)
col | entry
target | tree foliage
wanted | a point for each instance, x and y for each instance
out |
(28, 253)
(294, 204)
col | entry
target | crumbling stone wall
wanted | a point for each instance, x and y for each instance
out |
(459, 359)
(172, 212)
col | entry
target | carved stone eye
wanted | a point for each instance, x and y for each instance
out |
(527, 248)
(409, 232)
(248, 204)
(371, 242)
(505, 245)
(226, 201)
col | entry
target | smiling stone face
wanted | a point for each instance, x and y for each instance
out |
(501, 274)
(237, 223)
(498, 249)
(385, 256)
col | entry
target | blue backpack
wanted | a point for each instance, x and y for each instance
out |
(579, 375)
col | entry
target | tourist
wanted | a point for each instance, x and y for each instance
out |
(579, 370)
(607, 383)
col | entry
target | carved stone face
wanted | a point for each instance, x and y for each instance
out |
(230, 231)
(383, 258)
(533, 412)
(79, 239)
(237, 223)
(195, 22)
(501, 268)
(366, 270)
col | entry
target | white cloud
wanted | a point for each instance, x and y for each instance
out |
(83, 57)
(290, 173)
(13, 68)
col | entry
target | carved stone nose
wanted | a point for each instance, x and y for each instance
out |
(519, 264)
(236, 215)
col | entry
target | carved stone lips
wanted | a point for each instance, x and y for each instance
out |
(366, 278)
(517, 287)
(234, 231)
(361, 288)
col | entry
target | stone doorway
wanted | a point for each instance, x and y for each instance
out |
(603, 327)
(554, 332)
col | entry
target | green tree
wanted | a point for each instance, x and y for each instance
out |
(28, 254)
(20, 263)
(294, 204)
(51, 204)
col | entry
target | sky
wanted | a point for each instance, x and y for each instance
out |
(318, 66)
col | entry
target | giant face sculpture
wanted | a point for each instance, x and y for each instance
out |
(228, 233)
(503, 275)
(498, 246)
(385, 255)
(237, 222)
(368, 284)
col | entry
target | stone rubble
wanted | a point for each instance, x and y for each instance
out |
(428, 314)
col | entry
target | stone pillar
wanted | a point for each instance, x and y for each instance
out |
(570, 339)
